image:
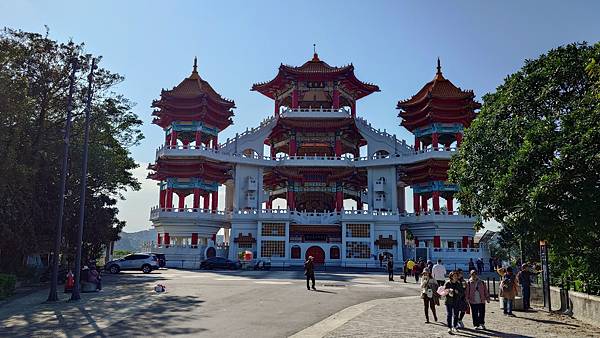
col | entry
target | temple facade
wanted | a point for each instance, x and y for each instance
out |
(312, 179)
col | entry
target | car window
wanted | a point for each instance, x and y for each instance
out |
(129, 257)
(143, 256)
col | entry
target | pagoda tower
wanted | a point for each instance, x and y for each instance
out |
(315, 107)
(191, 115)
(437, 116)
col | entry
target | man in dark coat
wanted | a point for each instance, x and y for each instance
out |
(390, 269)
(309, 272)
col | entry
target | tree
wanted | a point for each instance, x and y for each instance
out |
(531, 158)
(34, 72)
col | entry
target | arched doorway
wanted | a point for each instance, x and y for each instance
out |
(317, 253)
(211, 252)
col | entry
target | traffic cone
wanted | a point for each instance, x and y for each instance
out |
(70, 282)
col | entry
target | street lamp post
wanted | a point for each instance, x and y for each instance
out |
(53, 296)
(75, 295)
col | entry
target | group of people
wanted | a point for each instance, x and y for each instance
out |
(477, 265)
(461, 296)
(91, 275)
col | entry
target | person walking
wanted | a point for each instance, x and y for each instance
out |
(390, 269)
(309, 272)
(524, 280)
(429, 294)
(479, 266)
(438, 272)
(429, 265)
(508, 291)
(463, 306)
(471, 264)
(417, 270)
(477, 295)
(455, 292)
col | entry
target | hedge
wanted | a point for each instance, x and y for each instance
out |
(7, 285)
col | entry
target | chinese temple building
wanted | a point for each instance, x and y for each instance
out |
(314, 178)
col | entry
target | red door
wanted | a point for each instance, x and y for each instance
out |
(317, 253)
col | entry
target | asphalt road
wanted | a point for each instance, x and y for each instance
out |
(242, 303)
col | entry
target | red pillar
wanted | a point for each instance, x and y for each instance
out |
(293, 149)
(437, 242)
(194, 239)
(295, 99)
(459, 137)
(339, 200)
(435, 141)
(214, 200)
(167, 239)
(169, 198)
(161, 198)
(436, 201)
(359, 204)
(272, 151)
(181, 200)
(158, 239)
(186, 143)
(167, 139)
(465, 241)
(450, 204)
(291, 198)
(269, 204)
(216, 142)
(173, 138)
(416, 203)
(338, 146)
(416, 242)
(336, 99)
(417, 144)
(205, 204)
(198, 138)
(196, 198)
(424, 202)
(277, 107)
(353, 109)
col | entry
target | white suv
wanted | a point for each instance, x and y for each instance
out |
(138, 261)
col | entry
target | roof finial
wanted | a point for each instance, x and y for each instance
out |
(315, 55)
(195, 65)
(439, 66)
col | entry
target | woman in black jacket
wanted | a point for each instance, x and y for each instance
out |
(453, 298)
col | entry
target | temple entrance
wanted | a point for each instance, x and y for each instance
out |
(317, 253)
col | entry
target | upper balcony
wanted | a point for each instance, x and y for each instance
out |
(180, 151)
(316, 113)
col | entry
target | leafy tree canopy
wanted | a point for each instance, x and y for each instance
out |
(531, 158)
(34, 82)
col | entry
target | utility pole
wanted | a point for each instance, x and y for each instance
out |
(76, 288)
(53, 296)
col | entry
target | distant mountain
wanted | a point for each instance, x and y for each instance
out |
(133, 241)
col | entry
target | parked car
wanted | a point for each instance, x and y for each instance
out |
(220, 263)
(139, 261)
(162, 260)
(262, 265)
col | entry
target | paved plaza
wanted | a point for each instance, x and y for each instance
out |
(255, 304)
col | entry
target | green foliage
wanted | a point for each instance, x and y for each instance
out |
(7, 285)
(121, 253)
(531, 159)
(34, 81)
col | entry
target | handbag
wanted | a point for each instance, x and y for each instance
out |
(429, 293)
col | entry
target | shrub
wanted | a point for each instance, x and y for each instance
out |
(7, 285)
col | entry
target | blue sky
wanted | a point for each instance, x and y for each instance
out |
(391, 43)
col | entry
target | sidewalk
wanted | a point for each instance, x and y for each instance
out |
(29, 315)
(404, 317)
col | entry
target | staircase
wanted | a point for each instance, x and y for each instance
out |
(381, 140)
(252, 138)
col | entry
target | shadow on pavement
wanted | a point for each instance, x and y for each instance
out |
(169, 316)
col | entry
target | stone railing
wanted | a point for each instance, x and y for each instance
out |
(316, 112)
(249, 131)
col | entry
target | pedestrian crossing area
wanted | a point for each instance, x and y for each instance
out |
(324, 280)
